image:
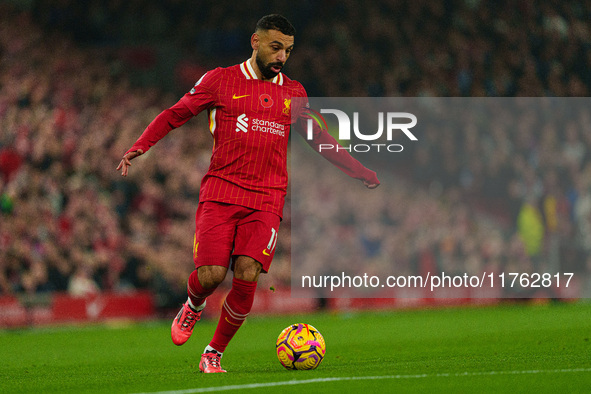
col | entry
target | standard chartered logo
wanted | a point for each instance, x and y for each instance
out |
(260, 125)
(242, 123)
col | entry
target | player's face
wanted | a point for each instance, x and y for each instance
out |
(273, 51)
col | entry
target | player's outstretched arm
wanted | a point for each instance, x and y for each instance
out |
(339, 157)
(167, 120)
(125, 163)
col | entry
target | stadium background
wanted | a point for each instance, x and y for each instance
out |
(79, 81)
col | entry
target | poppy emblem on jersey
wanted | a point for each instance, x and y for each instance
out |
(266, 100)
(287, 103)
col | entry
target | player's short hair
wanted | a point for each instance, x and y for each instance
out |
(276, 22)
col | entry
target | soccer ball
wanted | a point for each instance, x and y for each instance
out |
(300, 346)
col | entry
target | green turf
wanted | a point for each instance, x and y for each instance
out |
(528, 349)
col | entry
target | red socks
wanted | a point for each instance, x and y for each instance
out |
(196, 292)
(235, 310)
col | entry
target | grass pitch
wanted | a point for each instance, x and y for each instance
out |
(529, 349)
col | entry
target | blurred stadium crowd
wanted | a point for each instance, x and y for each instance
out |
(68, 111)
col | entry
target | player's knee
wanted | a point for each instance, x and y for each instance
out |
(247, 268)
(211, 275)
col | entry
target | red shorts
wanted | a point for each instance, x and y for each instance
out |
(226, 230)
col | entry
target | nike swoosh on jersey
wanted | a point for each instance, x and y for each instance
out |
(237, 97)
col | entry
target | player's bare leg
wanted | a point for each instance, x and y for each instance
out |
(201, 284)
(247, 268)
(235, 310)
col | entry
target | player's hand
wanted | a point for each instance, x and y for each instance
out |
(371, 181)
(370, 185)
(126, 161)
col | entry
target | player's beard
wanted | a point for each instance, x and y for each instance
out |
(265, 69)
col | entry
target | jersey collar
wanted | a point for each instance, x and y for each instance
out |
(249, 73)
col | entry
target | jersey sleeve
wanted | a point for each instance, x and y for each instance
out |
(203, 95)
(338, 157)
(205, 92)
(167, 120)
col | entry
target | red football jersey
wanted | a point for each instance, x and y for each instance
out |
(249, 120)
(250, 123)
